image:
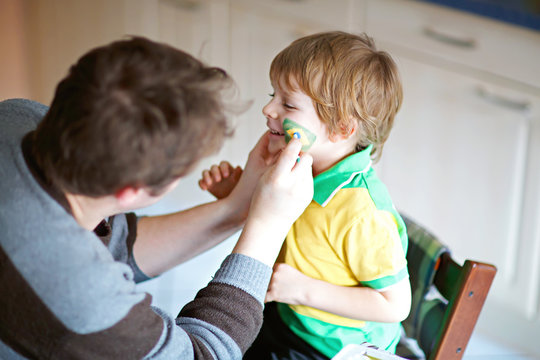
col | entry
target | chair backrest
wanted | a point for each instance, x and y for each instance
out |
(447, 297)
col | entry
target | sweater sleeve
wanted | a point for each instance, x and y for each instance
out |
(221, 320)
(123, 235)
(225, 316)
(90, 323)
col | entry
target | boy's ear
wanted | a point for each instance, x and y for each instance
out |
(128, 195)
(345, 132)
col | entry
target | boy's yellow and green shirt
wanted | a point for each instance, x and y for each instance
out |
(350, 235)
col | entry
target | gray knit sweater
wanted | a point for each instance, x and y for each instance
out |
(65, 293)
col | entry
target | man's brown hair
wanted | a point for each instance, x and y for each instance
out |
(131, 113)
(348, 79)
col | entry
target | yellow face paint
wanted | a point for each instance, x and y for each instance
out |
(293, 129)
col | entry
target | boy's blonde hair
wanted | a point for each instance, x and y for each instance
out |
(348, 80)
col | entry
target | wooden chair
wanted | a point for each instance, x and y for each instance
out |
(447, 298)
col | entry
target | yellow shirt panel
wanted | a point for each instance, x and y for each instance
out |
(344, 243)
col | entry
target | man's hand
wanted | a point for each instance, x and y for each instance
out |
(281, 195)
(237, 186)
(286, 188)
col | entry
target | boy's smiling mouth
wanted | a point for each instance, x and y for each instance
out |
(275, 132)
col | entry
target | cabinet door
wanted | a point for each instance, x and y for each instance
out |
(452, 35)
(457, 161)
(60, 31)
(196, 26)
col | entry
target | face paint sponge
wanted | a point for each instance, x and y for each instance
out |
(293, 129)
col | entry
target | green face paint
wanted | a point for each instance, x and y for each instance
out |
(293, 129)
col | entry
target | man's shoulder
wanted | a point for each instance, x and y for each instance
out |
(19, 116)
(17, 107)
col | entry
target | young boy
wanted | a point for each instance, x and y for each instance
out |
(342, 275)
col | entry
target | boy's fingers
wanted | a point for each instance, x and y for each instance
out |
(237, 172)
(287, 158)
(215, 172)
(206, 178)
(202, 185)
(225, 168)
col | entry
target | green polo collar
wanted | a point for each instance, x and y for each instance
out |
(328, 183)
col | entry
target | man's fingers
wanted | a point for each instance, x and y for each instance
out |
(261, 148)
(303, 162)
(263, 140)
(289, 155)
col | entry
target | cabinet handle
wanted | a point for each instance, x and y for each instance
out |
(188, 5)
(449, 38)
(503, 100)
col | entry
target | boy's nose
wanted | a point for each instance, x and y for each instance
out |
(269, 112)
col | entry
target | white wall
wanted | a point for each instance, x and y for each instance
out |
(14, 74)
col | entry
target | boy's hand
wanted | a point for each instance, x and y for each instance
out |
(287, 285)
(221, 179)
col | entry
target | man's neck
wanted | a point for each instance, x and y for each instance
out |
(88, 211)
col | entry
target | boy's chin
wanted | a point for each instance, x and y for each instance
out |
(274, 148)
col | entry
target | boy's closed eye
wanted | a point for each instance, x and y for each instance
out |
(289, 106)
(285, 104)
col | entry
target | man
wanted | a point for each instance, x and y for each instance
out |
(128, 121)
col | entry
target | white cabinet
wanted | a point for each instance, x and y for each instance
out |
(455, 36)
(456, 161)
(60, 31)
(463, 157)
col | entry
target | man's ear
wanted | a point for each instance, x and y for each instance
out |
(127, 196)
